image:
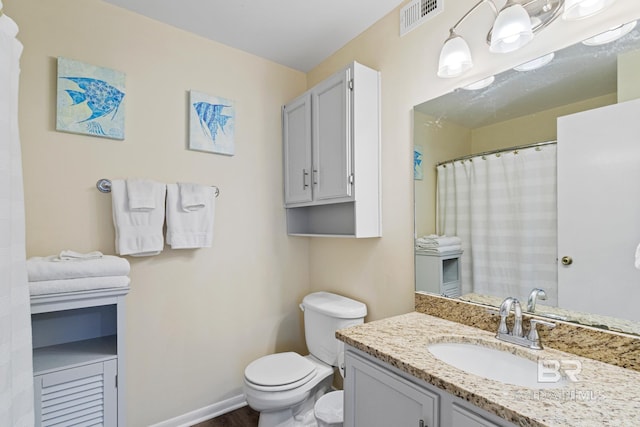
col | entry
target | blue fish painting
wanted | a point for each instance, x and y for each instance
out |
(211, 118)
(90, 99)
(211, 124)
(101, 97)
(417, 163)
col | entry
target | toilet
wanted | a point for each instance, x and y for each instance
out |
(284, 387)
(329, 409)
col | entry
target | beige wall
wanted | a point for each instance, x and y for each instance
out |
(537, 127)
(380, 272)
(441, 140)
(628, 71)
(196, 318)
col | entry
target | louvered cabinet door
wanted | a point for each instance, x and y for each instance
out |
(82, 396)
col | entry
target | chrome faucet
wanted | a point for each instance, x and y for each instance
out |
(517, 336)
(535, 294)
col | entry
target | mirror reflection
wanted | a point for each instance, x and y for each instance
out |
(499, 164)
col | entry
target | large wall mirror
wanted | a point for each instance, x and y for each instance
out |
(585, 91)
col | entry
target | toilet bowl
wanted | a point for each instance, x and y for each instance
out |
(284, 387)
(329, 409)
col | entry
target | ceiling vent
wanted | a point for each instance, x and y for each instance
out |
(417, 13)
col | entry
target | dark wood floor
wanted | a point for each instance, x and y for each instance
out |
(243, 417)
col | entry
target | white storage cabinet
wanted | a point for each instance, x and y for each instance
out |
(438, 273)
(380, 395)
(331, 138)
(78, 358)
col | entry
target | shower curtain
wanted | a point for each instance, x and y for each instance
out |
(16, 369)
(503, 207)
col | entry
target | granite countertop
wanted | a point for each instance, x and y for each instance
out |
(604, 395)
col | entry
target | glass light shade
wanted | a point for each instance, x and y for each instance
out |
(578, 9)
(511, 30)
(536, 63)
(480, 84)
(455, 57)
(611, 35)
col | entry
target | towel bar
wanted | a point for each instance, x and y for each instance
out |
(104, 186)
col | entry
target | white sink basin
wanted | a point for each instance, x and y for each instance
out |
(493, 364)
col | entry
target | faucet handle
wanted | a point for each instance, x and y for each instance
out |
(533, 336)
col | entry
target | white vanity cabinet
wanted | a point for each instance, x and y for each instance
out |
(78, 357)
(379, 395)
(331, 139)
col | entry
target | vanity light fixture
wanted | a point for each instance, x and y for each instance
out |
(611, 35)
(480, 84)
(512, 29)
(536, 63)
(515, 25)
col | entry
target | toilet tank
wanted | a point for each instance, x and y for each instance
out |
(324, 314)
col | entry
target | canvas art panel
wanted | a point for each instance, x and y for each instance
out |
(211, 123)
(418, 172)
(90, 99)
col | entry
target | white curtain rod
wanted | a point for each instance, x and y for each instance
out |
(502, 150)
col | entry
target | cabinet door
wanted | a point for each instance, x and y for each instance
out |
(462, 417)
(375, 397)
(85, 395)
(296, 134)
(331, 106)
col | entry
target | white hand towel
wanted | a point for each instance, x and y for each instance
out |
(68, 255)
(138, 233)
(52, 268)
(638, 257)
(140, 193)
(75, 285)
(190, 229)
(192, 197)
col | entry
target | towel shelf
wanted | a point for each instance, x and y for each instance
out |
(104, 186)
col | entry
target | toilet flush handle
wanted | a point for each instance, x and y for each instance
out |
(301, 307)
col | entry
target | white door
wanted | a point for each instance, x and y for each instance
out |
(332, 138)
(296, 135)
(599, 210)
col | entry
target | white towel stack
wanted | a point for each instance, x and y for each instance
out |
(190, 215)
(438, 244)
(73, 271)
(138, 216)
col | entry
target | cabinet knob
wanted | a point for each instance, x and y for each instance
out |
(567, 260)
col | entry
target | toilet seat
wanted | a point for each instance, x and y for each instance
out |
(280, 371)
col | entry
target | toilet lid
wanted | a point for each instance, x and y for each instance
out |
(279, 369)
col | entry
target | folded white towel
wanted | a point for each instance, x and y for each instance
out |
(190, 229)
(74, 285)
(138, 233)
(440, 249)
(53, 268)
(435, 241)
(68, 255)
(192, 197)
(140, 193)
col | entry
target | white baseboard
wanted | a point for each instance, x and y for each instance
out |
(205, 413)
